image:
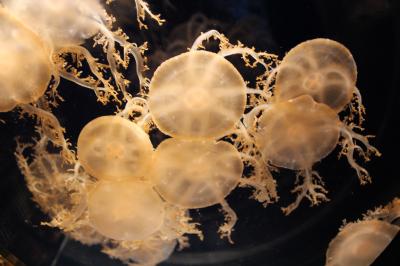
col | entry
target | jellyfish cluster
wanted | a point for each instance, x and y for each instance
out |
(114, 187)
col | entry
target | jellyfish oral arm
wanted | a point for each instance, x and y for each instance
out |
(261, 180)
(231, 218)
(142, 8)
(51, 128)
(349, 146)
(311, 188)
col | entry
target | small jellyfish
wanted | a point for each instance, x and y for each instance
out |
(321, 68)
(359, 244)
(114, 148)
(197, 94)
(26, 68)
(297, 133)
(125, 210)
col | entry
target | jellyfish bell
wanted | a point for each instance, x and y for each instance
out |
(359, 244)
(195, 173)
(295, 134)
(197, 94)
(26, 66)
(321, 68)
(114, 148)
(125, 210)
(64, 22)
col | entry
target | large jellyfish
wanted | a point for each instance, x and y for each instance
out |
(360, 243)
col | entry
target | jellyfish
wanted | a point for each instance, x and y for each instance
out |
(114, 148)
(297, 133)
(321, 68)
(196, 95)
(125, 210)
(65, 25)
(360, 243)
(27, 82)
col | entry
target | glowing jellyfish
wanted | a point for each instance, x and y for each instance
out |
(197, 94)
(195, 174)
(114, 148)
(321, 68)
(359, 244)
(26, 66)
(297, 133)
(125, 210)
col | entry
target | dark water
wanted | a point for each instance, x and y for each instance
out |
(263, 236)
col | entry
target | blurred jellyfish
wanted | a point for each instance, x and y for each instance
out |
(361, 242)
(26, 66)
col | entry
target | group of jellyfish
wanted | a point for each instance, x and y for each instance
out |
(115, 188)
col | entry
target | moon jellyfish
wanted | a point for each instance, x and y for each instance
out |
(359, 244)
(197, 94)
(297, 133)
(26, 66)
(125, 210)
(114, 148)
(321, 68)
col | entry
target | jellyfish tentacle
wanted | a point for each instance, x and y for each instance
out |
(225, 230)
(349, 146)
(311, 188)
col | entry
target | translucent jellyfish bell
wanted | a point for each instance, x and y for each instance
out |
(64, 22)
(195, 174)
(114, 148)
(297, 133)
(321, 68)
(26, 67)
(197, 94)
(359, 244)
(125, 210)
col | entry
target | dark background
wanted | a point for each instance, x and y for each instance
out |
(371, 31)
